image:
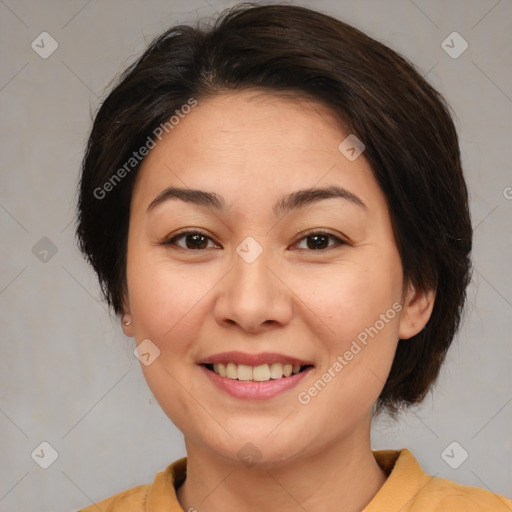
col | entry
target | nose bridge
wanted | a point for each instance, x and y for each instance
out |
(251, 270)
(252, 280)
(253, 296)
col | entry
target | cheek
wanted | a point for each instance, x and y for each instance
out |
(352, 297)
(356, 359)
(166, 302)
(361, 306)
(165, 298)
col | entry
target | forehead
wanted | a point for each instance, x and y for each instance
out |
(251, 146)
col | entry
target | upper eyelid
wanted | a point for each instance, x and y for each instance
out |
(340, 239)
(171, 239)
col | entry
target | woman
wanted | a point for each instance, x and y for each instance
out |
(276, 210)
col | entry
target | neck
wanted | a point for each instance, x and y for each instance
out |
(342, 476)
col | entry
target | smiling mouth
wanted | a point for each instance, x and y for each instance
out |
(260, 373)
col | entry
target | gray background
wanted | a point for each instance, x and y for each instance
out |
(68, 375)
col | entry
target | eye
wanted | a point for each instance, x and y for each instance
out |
(193, 240)
(318, 241)
(198, 241)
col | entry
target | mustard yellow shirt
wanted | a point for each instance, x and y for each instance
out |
(407, 489)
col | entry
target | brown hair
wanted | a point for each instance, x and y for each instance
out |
(411, 145)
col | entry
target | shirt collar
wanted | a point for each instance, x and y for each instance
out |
(396, 493)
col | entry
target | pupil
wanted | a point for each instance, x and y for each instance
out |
(319, 240)
(196, 238)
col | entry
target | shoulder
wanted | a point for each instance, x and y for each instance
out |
(131, 500)
(409, 489)
(159, 495)
(448, 496)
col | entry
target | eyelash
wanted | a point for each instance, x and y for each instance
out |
(172, 241)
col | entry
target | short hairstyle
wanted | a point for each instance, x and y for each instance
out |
(409, 136)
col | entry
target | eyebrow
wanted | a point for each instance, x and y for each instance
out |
(292, 201)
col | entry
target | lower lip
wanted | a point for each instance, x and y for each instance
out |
(251, 390)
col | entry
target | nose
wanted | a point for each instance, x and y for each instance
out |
(253, 296)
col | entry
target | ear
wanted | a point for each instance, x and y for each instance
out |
(417, 308)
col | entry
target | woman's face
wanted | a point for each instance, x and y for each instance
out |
(263, 279)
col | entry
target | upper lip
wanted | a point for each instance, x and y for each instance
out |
(252, 359)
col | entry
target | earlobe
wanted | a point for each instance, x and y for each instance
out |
(418, 306)
(126, 318)
(126, 323)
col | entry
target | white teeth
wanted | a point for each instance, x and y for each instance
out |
(276, 370)
(260, 373)
(244, 372)
(231, 371)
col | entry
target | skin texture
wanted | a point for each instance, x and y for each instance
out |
(252, 148)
